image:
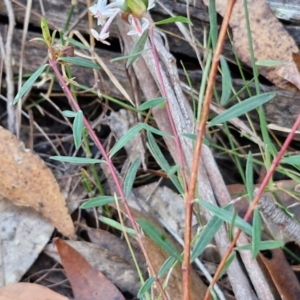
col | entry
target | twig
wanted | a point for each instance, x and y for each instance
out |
(24, 33)
(275, 215)
(11, 113)
(196, 158)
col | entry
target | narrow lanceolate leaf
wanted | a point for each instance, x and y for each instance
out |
(79, 61)
(227, 216)
(29, 82)
(152, 103)
(269, 63)
(159, 157)
(76, 43)
(249, 176)
(166, 266)
(156, 236)
(173, 20)
(78, 128)
(241, 108)
(291, 160)
(97, 201)
(131, 133)
(263, 245)
(77, 160)
(46, 31)
(146, 286)
(130, 176)
(69, 113)
(117, 225)
(226, 81)
(206, 236)
(256, 233)
(137, 48)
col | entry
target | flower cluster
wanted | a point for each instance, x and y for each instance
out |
(132, 10)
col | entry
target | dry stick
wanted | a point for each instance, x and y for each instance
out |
(248, 214)
(275, 215)
(196, 157)
(97, 142)
(21, 59)
(11, 115)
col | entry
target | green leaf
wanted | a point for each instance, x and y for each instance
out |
(46, 31)
(269, 63)
(213, 32)
(29, 82)
(130, 134)
(156, 131)
(76, 43)
(160, 159)
(166, 266)
(207, 234)
(291, 160)
(242, 108)
(152, 103)
(173, 20)
(77, 160)
(226, 81)
(263, 245)
(117, 225)
(79, 61)
(146, 286)
(130, 176)
(156, 236)
(69, 113)
(249, 176)
(256, 233)
(227, 263)
(78, 128)
(227, 216)
(97, 201)
(137, 48)
(134, 55)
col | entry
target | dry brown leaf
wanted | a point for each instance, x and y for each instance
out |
(270, 39)
(117, 269)
(26, 181)
(282, 274)
(87, 283)
(26, 291)
(290, 71)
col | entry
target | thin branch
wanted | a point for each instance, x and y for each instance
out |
(196, 157)
(10, 94)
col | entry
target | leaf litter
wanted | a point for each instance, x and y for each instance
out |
(270, 39)
(26, 181)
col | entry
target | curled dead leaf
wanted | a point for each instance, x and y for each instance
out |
(269, 38)
(27, 181)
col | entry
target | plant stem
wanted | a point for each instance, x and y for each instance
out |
(109, 162)
(186, 268)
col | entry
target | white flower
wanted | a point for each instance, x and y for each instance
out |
(102, 11)
(138, 26)
(101, 37)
